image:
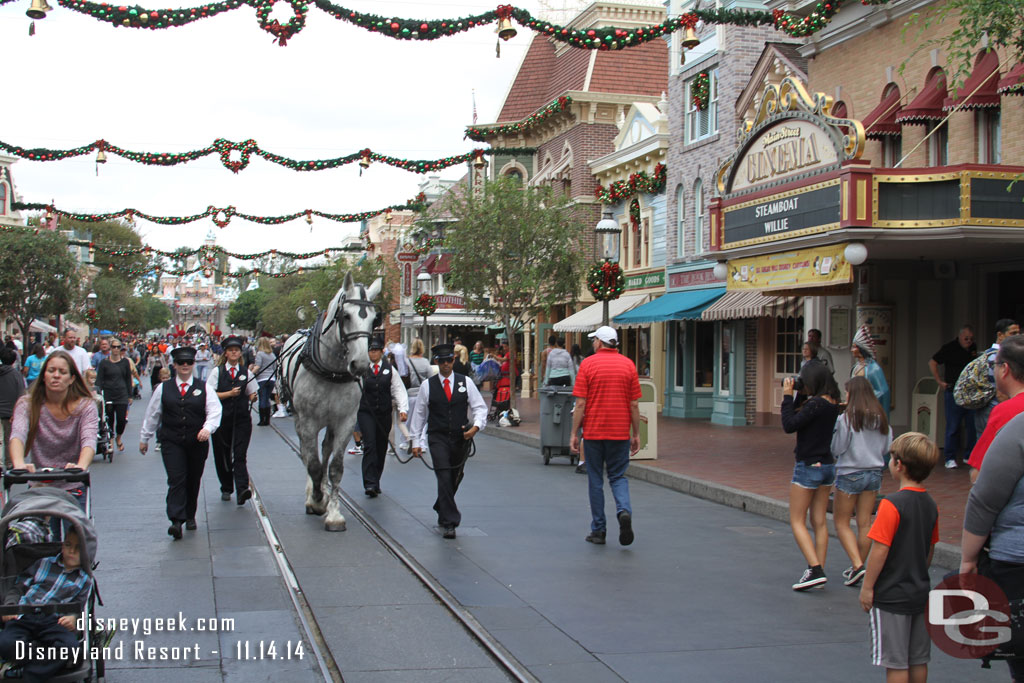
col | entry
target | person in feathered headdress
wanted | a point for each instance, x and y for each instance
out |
(865, 365)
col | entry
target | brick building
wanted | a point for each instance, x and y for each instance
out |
(587, 94)
(878, 198)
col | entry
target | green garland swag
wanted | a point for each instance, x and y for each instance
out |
(635, 184)
(245, 150)
(606, 281)
(700, 91)
(425, 305)
(481, 133)
(603, 38)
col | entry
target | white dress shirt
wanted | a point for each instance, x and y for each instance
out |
(398, 393)
(155, 409)
(252, 387)
(418, 421)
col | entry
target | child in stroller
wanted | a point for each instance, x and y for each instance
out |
(48, 585)
(104, 440)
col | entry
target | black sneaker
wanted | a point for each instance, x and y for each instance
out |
(448, 532)
(812, 576)
(243, 496)
(596, 537)
(175, 530)
(855, 576)
(625, 528)
(225, 495)
(191, 525)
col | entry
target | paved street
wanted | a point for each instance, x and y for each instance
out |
(703, 594)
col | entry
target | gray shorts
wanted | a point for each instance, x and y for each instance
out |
(899, 641)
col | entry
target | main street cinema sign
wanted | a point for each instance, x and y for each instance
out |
(792, 139)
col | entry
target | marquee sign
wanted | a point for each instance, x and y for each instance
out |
(788, 270)
(782, 150)
(810, 209)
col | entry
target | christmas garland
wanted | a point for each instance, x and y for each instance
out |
(634, 214)
(222, 216)
(245, 150)
(605, 281)
(635, 184)
(700, 91)
(603, 38)
(481, 133)
(425, 248)
(206, 270)
(91, 316)
(425, 305)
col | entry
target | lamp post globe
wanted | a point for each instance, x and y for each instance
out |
(607, 230)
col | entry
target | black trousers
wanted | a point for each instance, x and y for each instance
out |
(448, 452)
(117, 417)
(231, 467)
(374, 429)
(38, 630)
(184, 464)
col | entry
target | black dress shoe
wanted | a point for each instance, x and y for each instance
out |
(596, 537)
(225, 495)
(371, 493)
(376, 490)
(191, 525)
(244, 496)
(625, 528)
(448, 532)
(174, 530)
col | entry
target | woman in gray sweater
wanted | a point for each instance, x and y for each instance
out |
(860, 442)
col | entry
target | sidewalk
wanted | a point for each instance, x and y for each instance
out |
(746, 467)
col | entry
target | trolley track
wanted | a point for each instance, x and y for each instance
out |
(326, 661)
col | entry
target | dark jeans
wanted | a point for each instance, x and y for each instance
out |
(230, 446)
(117, 414)
(184, 464)
(39, 630)
(1010, 577)
(954, 416)
(612, 455)
(448, 453)
(266, 389)
(374, 429)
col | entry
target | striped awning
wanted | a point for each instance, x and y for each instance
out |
(589, 319)
(741, 305)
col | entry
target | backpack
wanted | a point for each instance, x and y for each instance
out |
(488, 371)
(975, 388)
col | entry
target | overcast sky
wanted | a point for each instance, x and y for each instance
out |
(334, 89)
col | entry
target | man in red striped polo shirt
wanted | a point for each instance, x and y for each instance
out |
(607, 393)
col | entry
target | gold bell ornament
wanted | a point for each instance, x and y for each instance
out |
(690, 39)
(506, 31)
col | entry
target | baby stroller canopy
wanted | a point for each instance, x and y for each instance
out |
(47, 501)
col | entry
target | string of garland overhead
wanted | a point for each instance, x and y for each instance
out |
(161, 270)
(222, 216)
(603, 38)
(245, 150)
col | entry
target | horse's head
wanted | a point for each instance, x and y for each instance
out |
(352, 314)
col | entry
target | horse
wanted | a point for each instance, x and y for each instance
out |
(317, 372)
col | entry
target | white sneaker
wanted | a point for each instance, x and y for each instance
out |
(951, 464)
(355, 450)
(281, 412)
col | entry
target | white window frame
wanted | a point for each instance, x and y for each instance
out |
(698, 216)
(680, 221)
(702, 124)
(988, 124)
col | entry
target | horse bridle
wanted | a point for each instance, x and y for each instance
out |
(310, 353)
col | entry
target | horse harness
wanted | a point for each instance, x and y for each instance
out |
(310, 354)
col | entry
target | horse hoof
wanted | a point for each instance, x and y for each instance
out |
(334, 526)
(312, 510)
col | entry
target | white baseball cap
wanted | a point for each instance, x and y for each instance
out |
(606, 334)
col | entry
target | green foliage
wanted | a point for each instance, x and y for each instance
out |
(247, 309)
(148, 313)
(1001, 20)
(38, 276)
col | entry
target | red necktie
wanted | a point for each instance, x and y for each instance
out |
(232, 371)
(184, 389)
(448, 390)
(376, 369)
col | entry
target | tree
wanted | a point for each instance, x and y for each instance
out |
(38, 276)
(146, 313)
(514, 251)
(246, 311)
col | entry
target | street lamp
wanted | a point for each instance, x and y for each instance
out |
(423, 282)
(608, 230)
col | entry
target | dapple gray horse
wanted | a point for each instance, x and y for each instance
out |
(317, 372)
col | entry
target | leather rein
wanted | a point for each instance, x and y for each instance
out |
(310, 355)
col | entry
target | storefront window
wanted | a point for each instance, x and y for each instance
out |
(789, 338)
(680, 354)
(643, 352)
(704, 355)
(723, 379)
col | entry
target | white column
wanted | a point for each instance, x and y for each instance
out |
(527, 361)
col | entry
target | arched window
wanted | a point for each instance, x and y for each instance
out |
(3, 198)
(698, 216)
(680, 224)
(515, 174)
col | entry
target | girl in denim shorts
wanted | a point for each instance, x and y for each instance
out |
(860, 443)
(813, 420)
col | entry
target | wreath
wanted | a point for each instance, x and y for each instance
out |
(425, 305)
(91, 317)
(700, 91)
(273, 26)
(605, 281)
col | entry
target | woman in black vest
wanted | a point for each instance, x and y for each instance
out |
(441, 420)
(235, 385)
(187, 414)
(381, 385)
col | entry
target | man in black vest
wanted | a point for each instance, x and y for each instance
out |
(235, 385)
(187, 414)
(381, 386)
(441, 420)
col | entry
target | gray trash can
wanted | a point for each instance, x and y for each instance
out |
(556, 423)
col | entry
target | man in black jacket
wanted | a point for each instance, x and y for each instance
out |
(12, 386)
(381, 386)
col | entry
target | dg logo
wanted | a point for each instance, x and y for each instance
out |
(968, 616)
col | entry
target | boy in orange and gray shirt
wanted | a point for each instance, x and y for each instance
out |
(896, 585)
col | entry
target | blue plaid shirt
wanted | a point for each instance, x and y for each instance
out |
(52, 584)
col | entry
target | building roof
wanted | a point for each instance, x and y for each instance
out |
(547, 72)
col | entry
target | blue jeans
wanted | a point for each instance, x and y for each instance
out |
(614, 455)
(954, 416)
(266, 388)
